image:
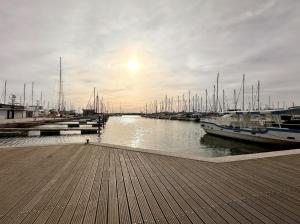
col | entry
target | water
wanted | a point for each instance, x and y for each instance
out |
(165, 135)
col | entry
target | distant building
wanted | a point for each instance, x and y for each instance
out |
(12, 111)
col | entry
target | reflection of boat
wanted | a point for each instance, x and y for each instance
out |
(213, 142)
(270, 127)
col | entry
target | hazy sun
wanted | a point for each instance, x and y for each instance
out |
(133, 65)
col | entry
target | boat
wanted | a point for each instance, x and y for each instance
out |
(280, 127)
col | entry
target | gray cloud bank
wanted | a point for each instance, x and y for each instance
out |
(182, 45)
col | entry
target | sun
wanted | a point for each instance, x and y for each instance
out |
(133, 65)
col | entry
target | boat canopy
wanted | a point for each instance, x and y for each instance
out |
(289, 111)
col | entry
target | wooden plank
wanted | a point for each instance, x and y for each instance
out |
(102, 209)
(124, 213)
(198, 185)
(135, 212)
(79, 213)
(141, 199)
(282, 215)
(91, 209)
(29, 197)
(153, 205)
(36, 205)
(262, 168)
(163, 204)
(196, 208)
(96, 184)
(49, 204)
(24, 173)
(254, 180)
(233, 184)
(272, 178)
(68, 212)
(52, 212)
(248, 215)
(113, 212)
(176, 200)
(190, 191)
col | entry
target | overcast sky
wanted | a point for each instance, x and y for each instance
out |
(180, 45)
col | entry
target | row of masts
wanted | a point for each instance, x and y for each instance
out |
(33, 102)
(97, 105)
(191, 103)
(25, 99)
(22, 100)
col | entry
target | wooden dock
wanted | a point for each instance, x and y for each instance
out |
(45, 131)
(98, 184)
(29, 122)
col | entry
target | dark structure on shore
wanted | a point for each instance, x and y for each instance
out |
(8, 111)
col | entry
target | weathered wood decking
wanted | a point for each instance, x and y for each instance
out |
(96, 184)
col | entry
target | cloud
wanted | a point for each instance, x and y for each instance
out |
(181, 45)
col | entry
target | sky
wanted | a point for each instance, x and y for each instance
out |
(178, 46)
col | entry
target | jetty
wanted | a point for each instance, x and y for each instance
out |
(88, 183)
(29, 122)
(22, 127)
(17, 132)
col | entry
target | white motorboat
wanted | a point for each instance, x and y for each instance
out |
(280, 127)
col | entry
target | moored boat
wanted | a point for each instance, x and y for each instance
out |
(280, 127)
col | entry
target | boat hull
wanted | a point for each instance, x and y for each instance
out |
(269, 136)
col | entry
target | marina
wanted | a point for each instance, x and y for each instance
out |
(143, 112)
(106, 184)
(156, 134)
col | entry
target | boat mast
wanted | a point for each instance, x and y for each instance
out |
(97, 103)
(41, 99)
(32, 85)
(234, 99)
(201, 108)
(63, 106)
(223, 100)
(60, 86)
(217, 101)
(258, 95)
(166, 103)
(195, 102)
(24, 94)
(193, 98)
(214, 99)
(94, 99)
(252, 106)
(243, 93)
(198, 103)
(206, 100)
(189, 101)
(183, 103)
(5, 91)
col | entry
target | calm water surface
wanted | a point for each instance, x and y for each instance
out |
(165, 135)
